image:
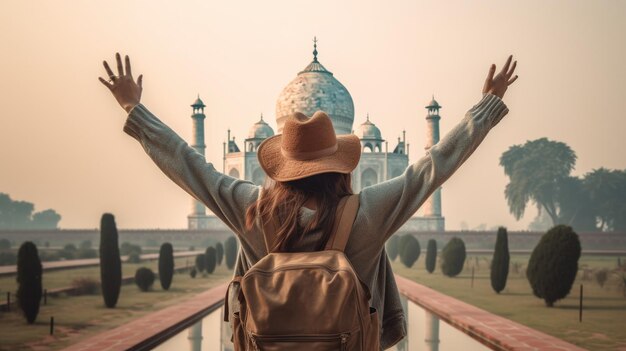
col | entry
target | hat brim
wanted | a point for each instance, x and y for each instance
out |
(283, 169)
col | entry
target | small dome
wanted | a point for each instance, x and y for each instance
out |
(368, 130)
(198, 103)
(260, 130)
(433, 104)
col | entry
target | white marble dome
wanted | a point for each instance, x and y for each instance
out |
(368, 130)
(313, 89)
(260, 130)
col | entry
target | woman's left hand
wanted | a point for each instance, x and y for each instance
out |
(123, 87)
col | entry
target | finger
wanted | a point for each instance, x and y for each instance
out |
(108, 69)
(489, 79)
(510, 73)
(120, 68)
(140, 81)
(506, 65)
(106, 84)
(512, 80)
(128, 71)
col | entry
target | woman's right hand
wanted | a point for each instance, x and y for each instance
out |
(123, 87)
(497, 85)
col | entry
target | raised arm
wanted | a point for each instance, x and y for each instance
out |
(390, 204)
(225, 196)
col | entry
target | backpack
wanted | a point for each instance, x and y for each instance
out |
(305, 300)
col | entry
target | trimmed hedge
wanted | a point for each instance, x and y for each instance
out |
(211, 259)
(431, 255)
(553, 264)
(453, 257)
(230, 251)
(500, 261)
(200, 263)
(29, 290)
(166, 265)
(409, 250)
(144, 278)
(110, 261)
(219, 249)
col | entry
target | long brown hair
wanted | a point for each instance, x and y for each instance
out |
(282, 201)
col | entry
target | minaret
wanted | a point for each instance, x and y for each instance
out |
(432, 207)
(198, 211)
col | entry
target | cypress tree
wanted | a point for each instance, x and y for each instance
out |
(110, 261)
(409, 250)
(200, 263)
(453, 257)
(219, 250)
(29, 289)
(166, 265)
(500, 261)
(392, 247)
(553, 264)
(230, 251)
(211, 259)
(431, 255)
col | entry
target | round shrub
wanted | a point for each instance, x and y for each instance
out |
(553, 264)
(133, 257)
(230, 251)
(144, 278)
(29, 289)
(392, 247)
(500, 261)
(110, 261)
(453, 257)
(219, 250)
(200, 263)
(431, 255)
(210, 259)
(166, 265)
(409, 250)
(193, 272)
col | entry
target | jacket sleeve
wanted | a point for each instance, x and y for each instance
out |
(225, 196)
(391, 203)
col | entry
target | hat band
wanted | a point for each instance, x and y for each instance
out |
(304, 156)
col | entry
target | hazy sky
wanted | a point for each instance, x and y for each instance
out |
(61, 139)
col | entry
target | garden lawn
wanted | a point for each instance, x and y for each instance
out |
(63, 278)
(79, 317)
(604, 312)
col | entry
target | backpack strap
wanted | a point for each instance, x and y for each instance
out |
(346, 214)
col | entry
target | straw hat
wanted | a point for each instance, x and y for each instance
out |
(308, 146)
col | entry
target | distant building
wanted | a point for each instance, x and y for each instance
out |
(315, 88)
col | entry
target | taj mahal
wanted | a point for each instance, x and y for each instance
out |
(316, 88)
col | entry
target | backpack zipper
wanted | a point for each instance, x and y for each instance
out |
(343, 338)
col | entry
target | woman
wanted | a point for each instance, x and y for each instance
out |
(306, 186)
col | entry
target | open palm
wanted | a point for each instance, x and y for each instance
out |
(126, 91)
(497, 85)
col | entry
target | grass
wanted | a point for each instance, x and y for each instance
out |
(79, 317)
(604, 309)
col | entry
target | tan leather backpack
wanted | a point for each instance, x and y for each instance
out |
(306, 300)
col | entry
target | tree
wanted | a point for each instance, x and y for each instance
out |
(453, 257)
(392, 247)
(230, 251)
(606, 191)
(553, 264)
(409, 250)
(29, 273)
(166, 265)
(534, 170)
(144, 278)
(219, 250)
(47, 219)
(431, 255)
(500, 261)
(19, 215)
(200, 263)
(110, 261)
(210, 259)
